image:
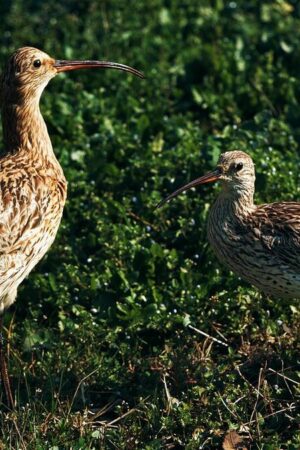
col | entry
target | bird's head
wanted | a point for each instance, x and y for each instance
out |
(234, 169)
(29, 70)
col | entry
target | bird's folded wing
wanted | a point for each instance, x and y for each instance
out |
(277, 225)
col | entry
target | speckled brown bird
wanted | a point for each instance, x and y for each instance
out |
(33, 187)
(260, 243)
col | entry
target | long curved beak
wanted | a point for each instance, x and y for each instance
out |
(63, 66)
(208, 178)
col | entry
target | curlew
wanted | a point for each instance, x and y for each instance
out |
(33, 188)
(260, 243)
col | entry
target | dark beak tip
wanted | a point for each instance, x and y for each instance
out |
(159, 205)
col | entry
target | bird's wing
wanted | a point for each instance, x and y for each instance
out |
(277, 226)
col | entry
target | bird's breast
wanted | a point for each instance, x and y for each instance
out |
(30, 214)
(236, 247)
(224, 234)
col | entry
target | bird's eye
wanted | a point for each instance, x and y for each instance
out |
(239, 166)
(37, 63)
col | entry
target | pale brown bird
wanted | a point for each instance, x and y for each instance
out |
(260, 243)
(33, 188)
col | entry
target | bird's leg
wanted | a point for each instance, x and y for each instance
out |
(4, 371)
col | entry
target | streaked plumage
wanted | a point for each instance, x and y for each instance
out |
(33, 188)
(260, 243)
(32, 184)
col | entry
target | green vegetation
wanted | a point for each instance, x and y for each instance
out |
(103, 350)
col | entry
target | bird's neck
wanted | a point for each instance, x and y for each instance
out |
(227, 215)
(25, 132)
(236, 203)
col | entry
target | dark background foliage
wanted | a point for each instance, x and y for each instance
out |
(102, 353)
